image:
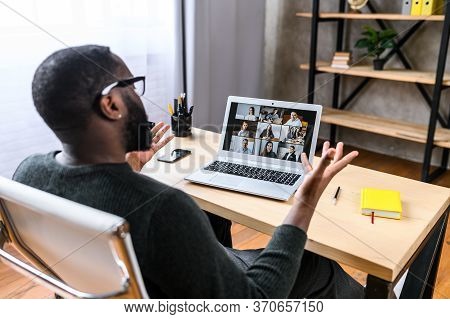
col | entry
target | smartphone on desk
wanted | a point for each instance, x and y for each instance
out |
(174, 155)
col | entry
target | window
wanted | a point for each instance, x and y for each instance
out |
(141, 32)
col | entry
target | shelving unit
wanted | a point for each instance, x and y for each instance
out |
(398, 129)
(403, 75)
(429, 135)
(371, 16)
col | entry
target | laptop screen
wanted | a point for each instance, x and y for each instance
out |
(267, 131)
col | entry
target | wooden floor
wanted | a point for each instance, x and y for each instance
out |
(13, 285)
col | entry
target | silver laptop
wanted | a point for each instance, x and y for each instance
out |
(260, 147)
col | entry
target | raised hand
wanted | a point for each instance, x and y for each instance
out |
(137, 160)
(315, 182)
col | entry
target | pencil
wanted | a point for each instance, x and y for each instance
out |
(373, 217)
(170, 108)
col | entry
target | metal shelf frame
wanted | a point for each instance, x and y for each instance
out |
(433, 101)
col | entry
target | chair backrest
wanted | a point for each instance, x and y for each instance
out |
(74, 250)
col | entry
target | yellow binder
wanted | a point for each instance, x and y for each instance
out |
(416, 8)
(430, 7)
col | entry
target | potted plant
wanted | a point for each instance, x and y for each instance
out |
(376, 42)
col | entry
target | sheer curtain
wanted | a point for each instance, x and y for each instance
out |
(145, 34)
(225, 50)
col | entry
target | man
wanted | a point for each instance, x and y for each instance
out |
(269, 118)
(244, 149)
(86, 95)
(294, 120)
(290, 156)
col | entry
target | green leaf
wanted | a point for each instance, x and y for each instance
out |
(387, 44)
(362, 43)
(372, 50)
(370, 32)
(388, 34)
(376, 41)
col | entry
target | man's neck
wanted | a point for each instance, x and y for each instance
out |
(91, 152)
(75, 160)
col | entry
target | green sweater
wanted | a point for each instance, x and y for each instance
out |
(176, 248)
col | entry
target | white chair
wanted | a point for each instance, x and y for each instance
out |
(74, 250)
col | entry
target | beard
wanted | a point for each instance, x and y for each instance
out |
(138, 136)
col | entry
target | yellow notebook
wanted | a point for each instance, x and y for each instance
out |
(416, 7)
(383, 203)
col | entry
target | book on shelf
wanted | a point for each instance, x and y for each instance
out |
(341, 60)
(381, 202)
(340, 66)
(344, 62)
(341, 53)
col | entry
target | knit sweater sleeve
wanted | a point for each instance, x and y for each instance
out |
(186, 261)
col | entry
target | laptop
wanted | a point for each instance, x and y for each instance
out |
(260, 147)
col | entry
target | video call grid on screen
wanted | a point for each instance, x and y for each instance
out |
(268, 131)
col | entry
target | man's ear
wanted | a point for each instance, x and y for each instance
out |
(109, 108)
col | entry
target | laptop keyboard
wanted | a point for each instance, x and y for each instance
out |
(253, 172)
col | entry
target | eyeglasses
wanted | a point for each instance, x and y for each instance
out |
(138, 84)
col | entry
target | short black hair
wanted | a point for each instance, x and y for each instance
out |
(68, 83)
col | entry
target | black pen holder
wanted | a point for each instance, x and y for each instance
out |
(181, 125)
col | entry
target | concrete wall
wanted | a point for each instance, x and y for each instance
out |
(287, 40)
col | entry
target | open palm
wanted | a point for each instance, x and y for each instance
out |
(138, 159)
(317, 179)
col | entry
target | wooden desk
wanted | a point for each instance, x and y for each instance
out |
(340, 232)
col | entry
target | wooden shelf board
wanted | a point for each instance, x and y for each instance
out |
(371, 16)
(387, 127)
(403, 75)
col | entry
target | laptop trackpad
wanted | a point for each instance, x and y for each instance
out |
(227, 180)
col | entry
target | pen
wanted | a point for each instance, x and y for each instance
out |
(181, 101)
(184, 103)
(175, 104)
(336, 195)
(373, 217)
(179, 106)
(170, 108)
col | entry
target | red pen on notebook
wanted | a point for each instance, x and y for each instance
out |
(373, 217)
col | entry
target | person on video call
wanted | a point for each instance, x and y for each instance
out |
(267, 133)
(268, 151)
(294, 120)
(301, 135)
(244, 149)
(251, 114)
(292, 133)
(290, 156)
(244, 132)
(270, 117)
(86, 95)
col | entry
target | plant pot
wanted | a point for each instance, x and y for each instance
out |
(378, 64)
